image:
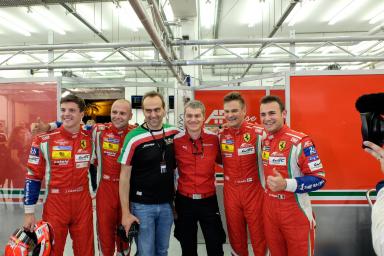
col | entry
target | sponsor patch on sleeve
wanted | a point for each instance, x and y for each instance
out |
(308, 144)
(316, 165)
(34, 151)
(308, 151)
(313, 158)
(33, 159)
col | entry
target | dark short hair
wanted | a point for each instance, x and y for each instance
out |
(75, 99)
(234, 96)
(272, 98)
(195, 104)
(153, 94)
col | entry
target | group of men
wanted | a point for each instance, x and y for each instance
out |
(268, 172)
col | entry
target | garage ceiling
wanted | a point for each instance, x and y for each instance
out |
(31, 23)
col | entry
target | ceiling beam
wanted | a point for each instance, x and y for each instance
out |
(13, 3)
(160, 22)
(217, 19)
(176, 71)
(204, 62)
(206, 42)
(99, 34)
(287, 11)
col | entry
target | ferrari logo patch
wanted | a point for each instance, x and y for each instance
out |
(282, 145)
(83, 144)
(247, 137)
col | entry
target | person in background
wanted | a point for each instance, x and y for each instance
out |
(196, 151)
(378, 208)
(292, 168)
(243, 191)
(18, 144)
(146, 184)
(63, 156)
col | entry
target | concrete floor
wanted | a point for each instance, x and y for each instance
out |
(11, 216)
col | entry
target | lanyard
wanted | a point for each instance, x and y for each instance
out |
(161, 147)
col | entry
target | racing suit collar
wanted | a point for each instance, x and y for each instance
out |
(119, 131)
(202, 134)
(278, 133)
(69, 134)
(239, 130)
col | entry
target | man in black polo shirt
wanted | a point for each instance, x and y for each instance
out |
(147, 178)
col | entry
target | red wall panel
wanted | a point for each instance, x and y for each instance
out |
(324, 108)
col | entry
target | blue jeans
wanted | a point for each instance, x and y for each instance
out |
(155, 228)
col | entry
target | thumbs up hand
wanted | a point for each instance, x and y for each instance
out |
(277, 182)
(39, 126)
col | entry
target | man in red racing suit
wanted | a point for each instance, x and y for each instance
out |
(109, 139)
(243, 192)
(63, 157)
(292, 168)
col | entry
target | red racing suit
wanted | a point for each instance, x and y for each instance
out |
(243, 192)
(108, 142)
(288, 219)
(63, 159)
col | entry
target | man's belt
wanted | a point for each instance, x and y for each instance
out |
(197, 196)
(115, 178)
(66, 190)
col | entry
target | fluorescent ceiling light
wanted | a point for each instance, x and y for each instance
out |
(65, 94)
(17, 59)
(97, 56)
(378, 17)
(357, 48)
(71, 56)
(10, 22)
(240, 51)
(280, 64)
(207, 13)
(301, 12)
(47, 19)
(345, 10)
(329, 49)
(93, 16)
(253, 14)
(128, 17)
(167, 8)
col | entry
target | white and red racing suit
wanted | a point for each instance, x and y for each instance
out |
(243, 192)
(108, 142)
(63, 159)
(288, 219)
